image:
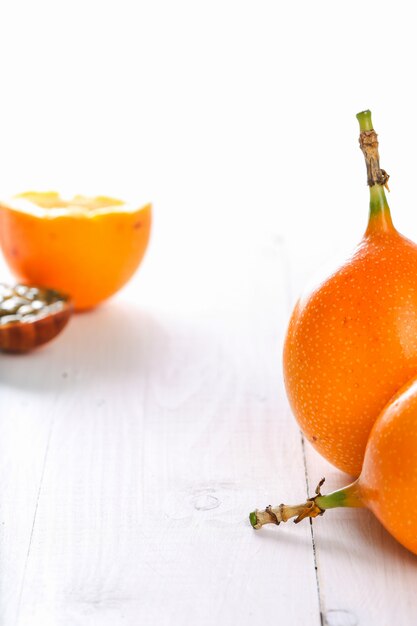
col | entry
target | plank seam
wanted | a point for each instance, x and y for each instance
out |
(34, 518)
(313, 541)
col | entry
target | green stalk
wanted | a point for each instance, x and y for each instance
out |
(365, 120)
(379, 212)
(349, 496)
(378, 206)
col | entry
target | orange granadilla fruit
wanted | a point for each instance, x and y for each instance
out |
(86, 247)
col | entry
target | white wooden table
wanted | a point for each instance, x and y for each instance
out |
(133, 448)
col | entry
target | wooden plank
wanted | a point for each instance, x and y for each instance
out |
(171, 426)
(28, 391)
(28, 394)
(365, 576)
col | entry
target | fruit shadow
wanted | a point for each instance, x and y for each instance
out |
(285, 536)
(373, 532)
(109, 344)
(363, 530)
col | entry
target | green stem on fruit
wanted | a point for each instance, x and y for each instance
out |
(365, 120)
(349, 496)
(379, 212)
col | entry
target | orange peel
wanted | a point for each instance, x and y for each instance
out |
(88, 247)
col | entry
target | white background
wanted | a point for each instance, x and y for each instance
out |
(215, 111)
(132, 449)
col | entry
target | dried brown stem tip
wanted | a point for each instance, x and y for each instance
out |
(284, 512)
(368, 141)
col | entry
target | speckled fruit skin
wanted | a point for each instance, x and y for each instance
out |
(352, 344)
(388, 481)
